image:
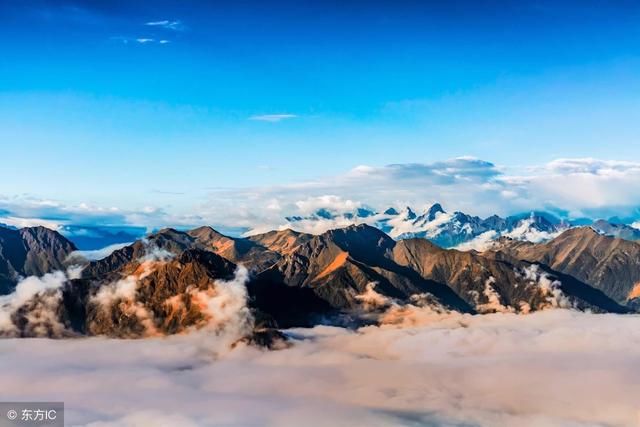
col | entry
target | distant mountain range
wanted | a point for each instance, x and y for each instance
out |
(157, 284)
(448, 230)
(459, 229)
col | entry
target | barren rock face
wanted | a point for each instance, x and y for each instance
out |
(609, 264)
(31, 251)
(172, 282)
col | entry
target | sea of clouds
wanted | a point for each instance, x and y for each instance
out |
(551, 368)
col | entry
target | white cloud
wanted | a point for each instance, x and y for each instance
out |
(551, 289)
(140, 40)
(329, 202)
(493, 304)
(42, 317)
(551, 368)
(592, 166)
(30, 222)
(430, 228)
(273, 118)
(229, 318)
(167, 24)
(480, 243)
(579, 187)
(526, 231)
(97, 254)
(29, 211)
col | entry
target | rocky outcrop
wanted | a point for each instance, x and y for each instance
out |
(609, 264)
(30, 251)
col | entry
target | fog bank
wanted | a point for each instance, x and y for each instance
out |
(556, 367)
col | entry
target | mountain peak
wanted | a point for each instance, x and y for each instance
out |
(364, 212)
(360, 232)
(408, 213)
(324, 213)
(434, 210)
(205, 232)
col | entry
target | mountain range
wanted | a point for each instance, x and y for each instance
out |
(169, 281)
(458, 229)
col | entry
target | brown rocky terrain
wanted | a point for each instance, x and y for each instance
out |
(30, 251)
(163, 284)
(609, 264)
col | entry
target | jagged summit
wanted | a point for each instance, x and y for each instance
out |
(391, 211)
(434, 210)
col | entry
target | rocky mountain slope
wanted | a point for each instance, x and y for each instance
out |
(175, 281)
(613, 229)
(30, 251)
(609, 264)
(500, 283)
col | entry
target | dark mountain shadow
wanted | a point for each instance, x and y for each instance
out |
(290, 306)
(592, 296)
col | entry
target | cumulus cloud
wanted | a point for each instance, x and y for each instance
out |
(526, 231)
(273, 118)
(229, 318)
(431, 228)
(329, 202)
(574, 188)
(481, 243)
(372, 300)
(551, 368)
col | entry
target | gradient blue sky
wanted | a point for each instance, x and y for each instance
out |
(94, 108)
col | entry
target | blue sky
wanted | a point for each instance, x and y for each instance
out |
(172, 106)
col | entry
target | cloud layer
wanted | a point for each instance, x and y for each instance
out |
(571, 188)
(552, 368)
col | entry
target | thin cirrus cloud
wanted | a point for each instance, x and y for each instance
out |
(154, 37)
(140, 40)
(148, 41)
(167, 24)
(272, 118)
